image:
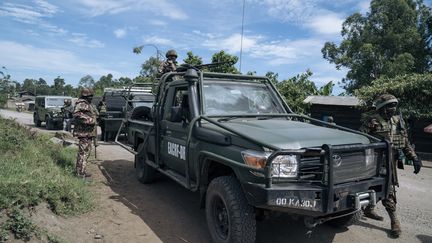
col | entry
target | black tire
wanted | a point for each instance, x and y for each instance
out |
(229, 217)
(144, 172)
(49, 124)
(36, 120)
(346, 221)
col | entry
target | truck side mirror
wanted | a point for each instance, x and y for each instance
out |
(176, 114)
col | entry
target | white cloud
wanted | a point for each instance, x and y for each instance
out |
(84, 41)
(294, 11)
(34, 15)
(28, 57)
(329, 24)
(277, 52)
(158, 23)
(158, 41)
(160, 7)
(46, 7)
(120, 33)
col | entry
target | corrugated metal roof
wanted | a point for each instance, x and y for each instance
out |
(333, 100)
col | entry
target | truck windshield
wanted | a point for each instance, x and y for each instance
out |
(54, 102)
(236, 98)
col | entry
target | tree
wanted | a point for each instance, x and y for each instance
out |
(87, 82)
(393, 39)
(414, 93)
(297, 88)
(192, 59)
(228, 66)
(150, 67)
(58, 86)
(272, 76)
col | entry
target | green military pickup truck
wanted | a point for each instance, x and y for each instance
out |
(235, 140)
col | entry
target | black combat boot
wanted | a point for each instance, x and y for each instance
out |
(369, 212)
(395, 224)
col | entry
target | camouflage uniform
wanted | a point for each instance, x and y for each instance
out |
(385, 125)
(85, 116)
(170, 65)
(102, 109)
(68, 111)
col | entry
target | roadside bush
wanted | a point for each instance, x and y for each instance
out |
(33, 170)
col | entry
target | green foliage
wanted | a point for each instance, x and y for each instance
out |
(192, 59)
(87, 82)
(297, 88)
(272, 76)
(393, 39)
(34, 170)
(414, 93)
(227, 67)
(21, 226)
(150, 67)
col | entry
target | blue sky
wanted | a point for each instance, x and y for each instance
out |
(73, 38)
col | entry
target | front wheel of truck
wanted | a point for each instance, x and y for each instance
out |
(229, 217)
(144, 172)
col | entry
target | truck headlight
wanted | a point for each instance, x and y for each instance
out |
(285, 166)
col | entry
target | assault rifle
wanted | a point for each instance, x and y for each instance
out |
(186, 66)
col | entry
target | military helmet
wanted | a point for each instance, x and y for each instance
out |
(384, 100)
(171, 53)
(85, 92)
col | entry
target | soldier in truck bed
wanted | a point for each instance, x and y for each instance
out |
(385, 124)
(170, 64)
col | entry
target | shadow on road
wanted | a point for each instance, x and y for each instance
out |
(173, 212)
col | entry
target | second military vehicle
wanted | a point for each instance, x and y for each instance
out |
(48, 110)
(235, 140)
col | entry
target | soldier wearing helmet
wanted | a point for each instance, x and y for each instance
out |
(385, 124)
(67, 110)
(170, 64)
(85, 116)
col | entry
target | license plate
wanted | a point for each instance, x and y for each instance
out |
(295, 203)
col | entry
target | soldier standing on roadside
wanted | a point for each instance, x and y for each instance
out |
(385, 124)
(170, 64)
(68, 111)
(85, 116)
(102, 109)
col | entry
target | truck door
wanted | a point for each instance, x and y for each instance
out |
(174, 129)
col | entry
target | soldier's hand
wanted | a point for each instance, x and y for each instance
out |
(417, 166)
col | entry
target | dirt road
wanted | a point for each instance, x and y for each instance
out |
(164, 211)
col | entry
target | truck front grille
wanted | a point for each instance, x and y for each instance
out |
(346, 167)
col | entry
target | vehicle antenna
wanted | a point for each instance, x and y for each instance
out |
(241, 40)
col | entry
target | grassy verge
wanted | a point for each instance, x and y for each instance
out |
(32, 171)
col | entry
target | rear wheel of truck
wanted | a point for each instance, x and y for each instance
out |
(229, 217)
(144, 172)
(346, 221)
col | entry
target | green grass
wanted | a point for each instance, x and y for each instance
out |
(33, 170)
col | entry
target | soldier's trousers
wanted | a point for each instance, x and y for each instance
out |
(390, 202)
(84, 149)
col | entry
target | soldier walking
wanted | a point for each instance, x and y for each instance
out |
(385, 124)
(170, 64)
(85, 117)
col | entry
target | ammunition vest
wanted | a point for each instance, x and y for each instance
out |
(393, 131)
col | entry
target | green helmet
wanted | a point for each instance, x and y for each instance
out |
(384, 100)
(171, 53)
(85, 92)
